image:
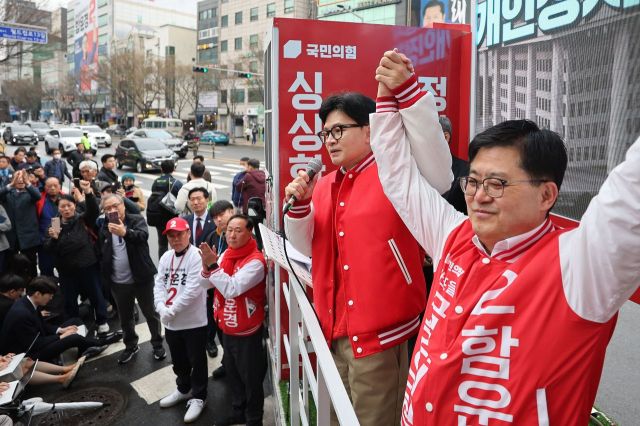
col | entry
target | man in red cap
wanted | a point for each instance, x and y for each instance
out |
(181, 302)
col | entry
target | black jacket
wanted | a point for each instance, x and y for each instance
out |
(454, 195)
(5, 306)
(22, 212)
(75, 247)
(142, 266)
(75, 158)
(207, 228)
(20, 327)
(107, 176)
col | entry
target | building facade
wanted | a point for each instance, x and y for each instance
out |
(386, 12)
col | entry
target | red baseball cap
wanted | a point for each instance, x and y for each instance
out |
(176, 224)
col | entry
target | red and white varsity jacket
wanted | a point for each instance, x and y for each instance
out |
(516, 336)
(363, 239)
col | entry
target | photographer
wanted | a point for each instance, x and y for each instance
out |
(71, 239)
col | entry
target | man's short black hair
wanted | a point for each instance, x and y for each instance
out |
(197, 170)
(167, 166)
(19, 149)
(106, 158)
(220, 207)
(43, 284)
(445, 123)
(354, 104)
(198, 157)
(245, 159)
(254, 163)
(244, 217)
(199, 189)
(32, 154)
(543, 154)
(433, 3)
(10, 282)
(66, 197)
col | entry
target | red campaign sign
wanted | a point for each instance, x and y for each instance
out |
(319, 58)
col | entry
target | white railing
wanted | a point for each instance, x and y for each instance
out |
(320, 378)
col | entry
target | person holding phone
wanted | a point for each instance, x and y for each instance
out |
(71, 239)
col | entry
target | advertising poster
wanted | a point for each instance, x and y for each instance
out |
(85, 44)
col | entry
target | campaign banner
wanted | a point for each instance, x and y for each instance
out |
(319, 58)
(85, 41)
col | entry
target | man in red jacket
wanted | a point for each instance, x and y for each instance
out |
(238, 275)
(368, 286)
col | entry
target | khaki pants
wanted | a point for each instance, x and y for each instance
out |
(375, 383)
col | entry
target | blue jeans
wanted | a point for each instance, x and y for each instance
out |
(87, 281)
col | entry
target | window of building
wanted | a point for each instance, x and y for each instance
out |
(224, 45)
(238, 18)
(253, 66)
(602, 152)
(102, 2)
(103, 39)
(253, 41)
(571, 132)
(603, 129)
(237, 43)
(579, 154)
(572, 153)
(223, 96)
(288, 6)
(253, 14)
(103, 20)
(271, 10)
(255, 95)
(224, 21)
(586, 130)
(208, 56)
(237, 96)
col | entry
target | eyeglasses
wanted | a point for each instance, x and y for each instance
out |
(493, 187)
(336, 131)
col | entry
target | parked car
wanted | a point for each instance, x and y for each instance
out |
(39, 127)
(19, 134)
(174, 144)
(66, 139)
(97, 134)
(115, 130)
(143, 154)
(215, 136)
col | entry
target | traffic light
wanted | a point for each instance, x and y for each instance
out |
(200, 69)
(246, 75)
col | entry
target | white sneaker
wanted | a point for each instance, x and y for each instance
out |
(173, 398)
(195, 407)
(103, 328)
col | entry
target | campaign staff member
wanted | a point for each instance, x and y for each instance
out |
(368, 286)
(180, 301)
(521, 312)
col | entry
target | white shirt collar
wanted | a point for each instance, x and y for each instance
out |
(512, 248)
(33, 304)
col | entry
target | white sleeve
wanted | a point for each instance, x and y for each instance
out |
(299, 231)
(426, 214)
(247, 277)
(213, 195)
(191, 291)
(429, 148)
(600, 260)
(159, 290)
(181, 199)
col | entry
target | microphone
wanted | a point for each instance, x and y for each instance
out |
(313, 167)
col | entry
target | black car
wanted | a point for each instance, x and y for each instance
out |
(143, 154)
(19, 134)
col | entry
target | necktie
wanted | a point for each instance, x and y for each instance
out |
(198, 230)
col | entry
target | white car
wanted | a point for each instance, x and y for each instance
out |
(66, 139)
(98, 135)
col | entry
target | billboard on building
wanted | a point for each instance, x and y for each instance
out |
(85, 41)
(572, 67)
(442, 11)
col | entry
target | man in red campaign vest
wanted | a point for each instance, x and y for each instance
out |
(520, 312)
(238, 276)
(368, 285)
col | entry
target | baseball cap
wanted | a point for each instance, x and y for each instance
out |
(176, 224)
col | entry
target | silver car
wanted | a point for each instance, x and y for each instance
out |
(65, 139)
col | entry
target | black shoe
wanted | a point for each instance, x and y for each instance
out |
(110, 337)
(159, 353)
(93, 351)
(212, 350)
(127, 354)
(219, 373)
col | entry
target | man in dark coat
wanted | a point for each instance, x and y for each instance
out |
(107, 174)
(127, 267)
(253, 184)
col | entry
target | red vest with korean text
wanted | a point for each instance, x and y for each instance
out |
(380, 263)
(242, 315)
(499, 343)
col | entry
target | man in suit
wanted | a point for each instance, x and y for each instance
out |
(200, 220)
(23, 323)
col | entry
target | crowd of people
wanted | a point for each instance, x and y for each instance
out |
(90, 247)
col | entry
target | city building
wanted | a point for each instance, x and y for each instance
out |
(387, 12)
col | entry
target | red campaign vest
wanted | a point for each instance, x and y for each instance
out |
(381, 270)
(242, 315)
(500, 345)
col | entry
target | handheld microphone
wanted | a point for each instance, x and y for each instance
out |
(313, 167)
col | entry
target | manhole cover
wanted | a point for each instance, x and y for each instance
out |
(114, 404)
